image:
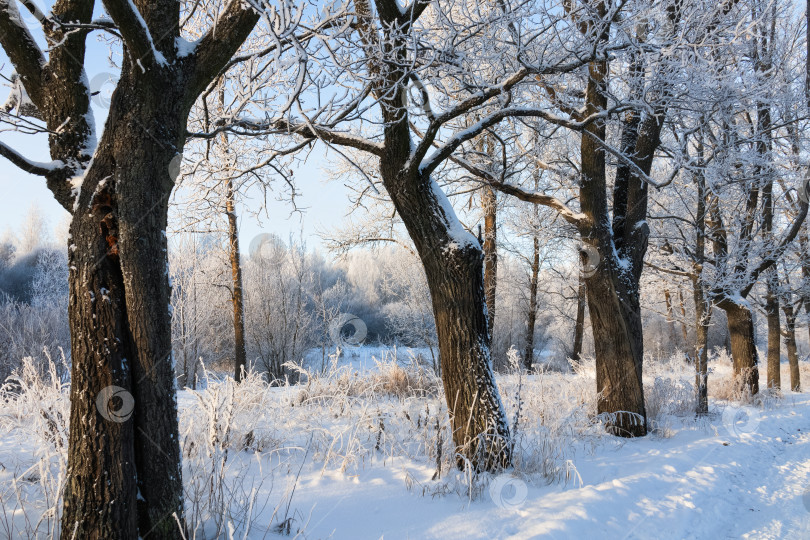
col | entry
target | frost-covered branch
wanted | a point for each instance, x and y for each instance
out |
(32, 167)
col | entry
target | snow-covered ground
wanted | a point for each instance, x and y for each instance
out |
(703, 482)
(363, 454)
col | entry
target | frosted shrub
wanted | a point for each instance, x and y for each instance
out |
(667, 397)
(35, 412)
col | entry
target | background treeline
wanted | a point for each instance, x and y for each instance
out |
(295, 296)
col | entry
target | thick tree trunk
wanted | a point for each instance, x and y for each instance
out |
(790, 345)
(453, 264)
(612, 288)
(123, 472)
(239, 353)
(119, 252)
(618, 346)
(531, 315)
(454, 268)
(743, 346)
(101, 437)
(489, 202)
(579, 324)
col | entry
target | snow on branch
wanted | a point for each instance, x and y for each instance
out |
(32, 167)
(134, 30)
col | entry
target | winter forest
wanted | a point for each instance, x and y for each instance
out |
(563, 290)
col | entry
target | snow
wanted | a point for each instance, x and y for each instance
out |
(343, 460)
(184, 48)
(702, 482)
(460, 237)
(159, 58)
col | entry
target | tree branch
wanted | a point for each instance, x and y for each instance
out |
(222, 40)
(22, 50)
(133, 30)
(460, 137)
(32, 167)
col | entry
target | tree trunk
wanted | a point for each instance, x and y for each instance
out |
(119, 252)
(790, 345)
(670, 317)
(453, 264)
(101, 437)
(684, 331)
(703, 316)
(239, 353)
(774, 331)
(531, 315)
(579, 325)
(612, 289)
(703, 305)
(618, 343)
(123, 473)
(128, 430)
(743, 346)
(489, 202)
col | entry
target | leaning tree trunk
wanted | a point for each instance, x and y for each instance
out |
(453, 263)
(454, 271)
(743, 346)
(454, 268)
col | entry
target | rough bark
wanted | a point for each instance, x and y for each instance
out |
(612, 287)
(452, 259)
(100, 488)
(743, 345)
(123, 478)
